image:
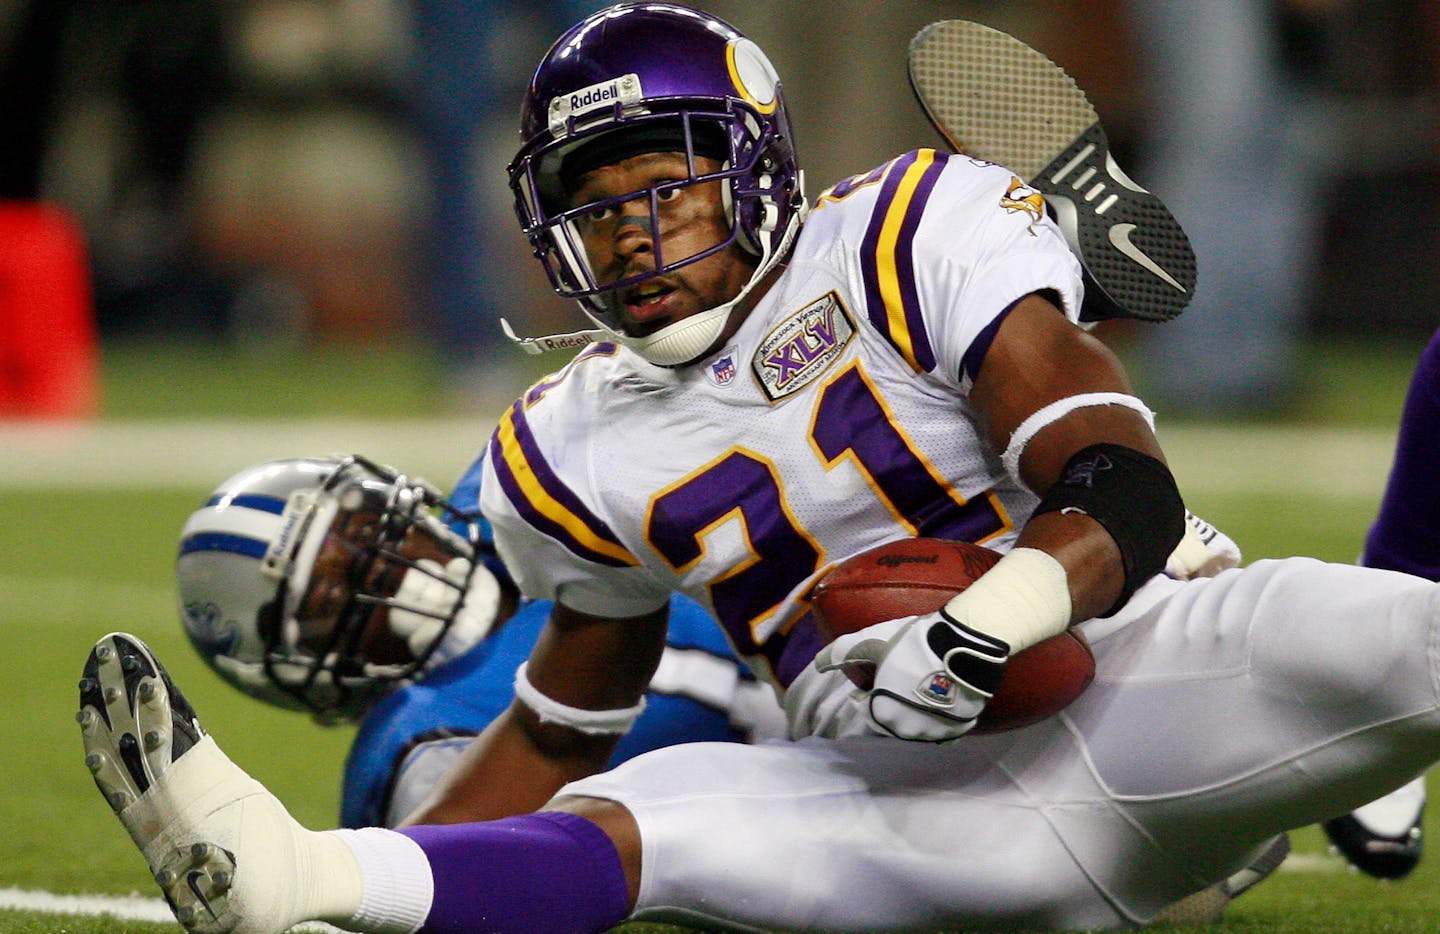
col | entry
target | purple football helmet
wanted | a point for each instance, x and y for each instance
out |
(655, 77)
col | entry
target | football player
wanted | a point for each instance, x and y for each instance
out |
(334, 585)
(331, 585)
(1385, 837)
(771, 392)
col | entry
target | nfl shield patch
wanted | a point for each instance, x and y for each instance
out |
(723, 370)
(938, 690)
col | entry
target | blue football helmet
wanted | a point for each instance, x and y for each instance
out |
(655, 77)
(321, 583)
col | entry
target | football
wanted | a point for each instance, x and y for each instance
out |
(918, 575)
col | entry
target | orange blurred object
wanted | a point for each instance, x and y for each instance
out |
(48, 354)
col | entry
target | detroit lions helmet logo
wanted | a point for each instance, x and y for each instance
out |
(207, 624)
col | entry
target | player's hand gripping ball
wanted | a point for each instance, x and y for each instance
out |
(914, 576)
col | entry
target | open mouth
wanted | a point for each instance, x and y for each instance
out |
(647, 292)
(647, 300)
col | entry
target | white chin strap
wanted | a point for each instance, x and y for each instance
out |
(683, 341)
(677, 344)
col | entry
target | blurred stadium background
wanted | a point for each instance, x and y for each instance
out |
(239, 229)
(270, 176)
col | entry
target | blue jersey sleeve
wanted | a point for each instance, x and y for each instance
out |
(466, 499)
(462, 698)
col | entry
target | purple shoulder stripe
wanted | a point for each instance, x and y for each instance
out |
(544, 500)
(887, 261)
(980, 346)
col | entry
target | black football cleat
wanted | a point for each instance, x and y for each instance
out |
(994, 98)
(1385, 838)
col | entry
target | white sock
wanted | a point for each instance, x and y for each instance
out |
(396, 887)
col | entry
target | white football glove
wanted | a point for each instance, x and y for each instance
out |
(432, 591)
(929, 677)
(1204, 551)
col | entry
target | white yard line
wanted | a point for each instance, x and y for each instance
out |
(126, 908)
(1313, 863)
(163, 454)
(1347, 462)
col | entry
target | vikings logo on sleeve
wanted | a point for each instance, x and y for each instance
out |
(1020, 198)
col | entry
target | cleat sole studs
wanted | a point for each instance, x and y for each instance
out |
(136, 725)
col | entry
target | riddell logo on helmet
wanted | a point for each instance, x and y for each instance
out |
(583, 100)
(624, 89)
(299, 509)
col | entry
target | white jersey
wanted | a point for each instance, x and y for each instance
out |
(837, 417)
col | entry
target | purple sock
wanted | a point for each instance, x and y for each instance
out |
(1406, 535)
(553, 872)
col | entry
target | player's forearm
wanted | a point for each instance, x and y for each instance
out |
(1093, 569)
(514, 767)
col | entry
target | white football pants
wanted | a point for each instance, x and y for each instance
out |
(1224, 711)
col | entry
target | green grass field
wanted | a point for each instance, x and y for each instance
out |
(83, 559)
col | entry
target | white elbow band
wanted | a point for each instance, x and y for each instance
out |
(1024, 599)
(1057, 410)
(590, 722)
